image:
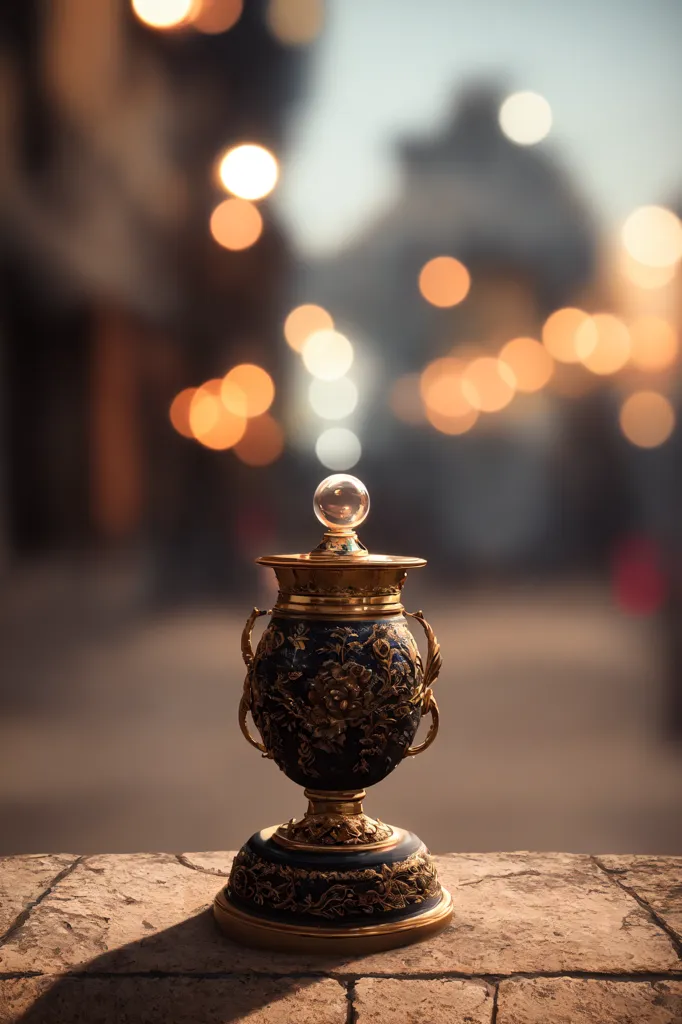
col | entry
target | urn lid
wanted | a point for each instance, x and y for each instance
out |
(341, 503)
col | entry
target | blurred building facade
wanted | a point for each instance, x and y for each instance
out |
(113, 295)
(487, 500)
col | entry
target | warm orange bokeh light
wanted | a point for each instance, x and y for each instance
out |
(443, 388)
(489, 384)
(303, 321)
(559, 331)
(529, 361)
(179, 411)
(247, 390)
(647, 419)
(405, 400)
(444, 281)
(603, 344)
(295, 22)
(236, 224)
(654, 343)
(262, 443)
(211, 423)
(163, 13)
(215, 16)
(644, 276)
(452, 424)
(448, 366)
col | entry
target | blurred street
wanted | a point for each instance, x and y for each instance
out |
(119, 729)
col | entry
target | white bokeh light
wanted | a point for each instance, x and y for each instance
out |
(525, 118)
(327, 355)
(652, 235)
(248, 171)
(338, 448)
(333, 399)
(163, 13)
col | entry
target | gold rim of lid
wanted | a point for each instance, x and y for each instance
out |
(343, 561)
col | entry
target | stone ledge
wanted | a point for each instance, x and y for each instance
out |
(536, 938)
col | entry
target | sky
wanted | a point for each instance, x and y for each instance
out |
(389, 69)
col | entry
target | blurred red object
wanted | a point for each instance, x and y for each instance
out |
(639, 584)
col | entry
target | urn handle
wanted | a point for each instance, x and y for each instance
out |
(431, 672)
(245, 702)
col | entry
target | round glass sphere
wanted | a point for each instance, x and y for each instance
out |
(341, 501)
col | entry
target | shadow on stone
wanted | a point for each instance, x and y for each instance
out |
(122, 986)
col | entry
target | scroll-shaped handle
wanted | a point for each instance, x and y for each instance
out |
(245, 702)
(432, 669)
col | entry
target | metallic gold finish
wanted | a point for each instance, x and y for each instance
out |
(432, 669)
(341, 542)
(343, 695)
(334, 561)
(335, 820)
(245, 702)
(337, 690)
(329, 941)
(350, 895)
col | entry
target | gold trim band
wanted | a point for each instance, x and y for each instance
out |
(333, 607)
(264, 933)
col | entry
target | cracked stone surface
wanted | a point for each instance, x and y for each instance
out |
(137, 935)
(395, 1001)
(657, 880)
(24, 879)
(171, 1001)
(513, 913)
(528, 912)
(571, 1000)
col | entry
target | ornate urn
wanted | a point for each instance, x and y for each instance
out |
(337, 689)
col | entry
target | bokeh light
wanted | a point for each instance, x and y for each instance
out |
(163, 13)
(653, 235)
(179, 411)
(443, 388)
(559, 333)
(215, 16)
(647, 419)
(525, 118)
(295, 22)
(489, 384)
(644, 276)
(327, 355)
(333, 399)
(654, 343)
(248, 171)
(447, 366)
(247, 390)
(405, 399)
(529, 361)
(603, 344)
(303, 321)
(236, 224)
(338, 448)
(452, 425)
(444, 281)
(262, 443)
(211, 423)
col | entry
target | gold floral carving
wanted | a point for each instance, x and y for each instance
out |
(336, 830)
(287, 889)
(381, 701)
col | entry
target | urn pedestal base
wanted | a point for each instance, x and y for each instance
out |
(336, 901)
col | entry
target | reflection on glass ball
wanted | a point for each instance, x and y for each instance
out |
(341, 501)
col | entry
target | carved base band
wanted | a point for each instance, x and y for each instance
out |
(336, 820)
(261, 933)
(352, 901)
